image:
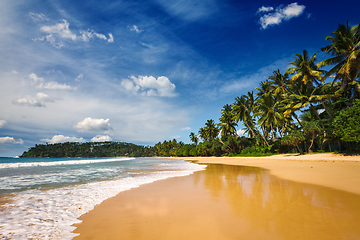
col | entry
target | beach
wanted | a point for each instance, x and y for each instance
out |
(314, 196)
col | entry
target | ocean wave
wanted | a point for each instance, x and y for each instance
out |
(55, 163)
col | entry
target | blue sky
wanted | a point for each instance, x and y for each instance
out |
(143, 71)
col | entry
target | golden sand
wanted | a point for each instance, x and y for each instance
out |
(236, 202)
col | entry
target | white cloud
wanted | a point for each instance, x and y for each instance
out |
(62, 29)
(90, 125)
(11, 140)
(14, 72)
(186, 129)
(136, 29)
(38, 16)
(241, 132)
(2, 123)
(111, 38)
(265, 9)
(38, 101)
(62, 138)
(49, 85)
(281, 13)
(150, 86)
(88, 34)
(78, 78)
(101, 138)
(55, 86)
(35, 78)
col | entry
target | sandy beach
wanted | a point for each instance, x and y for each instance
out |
(279, 197)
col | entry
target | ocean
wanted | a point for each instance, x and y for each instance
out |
(41, 198)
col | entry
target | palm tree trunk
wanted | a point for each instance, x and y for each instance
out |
(312, 142)
(326, 110)
(252, 131)
(322, 125)
(272, 130)
(297, 145)
(294, 114)
(267, 144)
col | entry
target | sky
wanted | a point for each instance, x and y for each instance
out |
(143, 71)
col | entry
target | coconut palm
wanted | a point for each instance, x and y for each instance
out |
(193, 138)
(305, 70)
(242, 113)
(269, 116)
(345, 49)
(211, 130)
(227, 123)
(279, 83)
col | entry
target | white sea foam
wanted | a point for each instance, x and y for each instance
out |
(70, 162)
(36, 214)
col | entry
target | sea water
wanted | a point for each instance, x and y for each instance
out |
(41, 198)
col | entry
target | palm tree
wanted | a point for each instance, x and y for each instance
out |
(203, 134)
(227, 123)
(269, 116)
(193, 138)
(279, 83)
(305, 70)
(345, 49)
(264, 89)
(211, 130)
(313, 129)
(304, 98)
(242, 113)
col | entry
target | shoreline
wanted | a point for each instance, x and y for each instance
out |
(324, 169)
(295, 198)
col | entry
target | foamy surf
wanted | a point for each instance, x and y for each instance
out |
(50, 214)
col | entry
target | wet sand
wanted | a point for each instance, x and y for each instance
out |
(236, 202)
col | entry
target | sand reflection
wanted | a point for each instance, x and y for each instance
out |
(225, 202)
(289, 209)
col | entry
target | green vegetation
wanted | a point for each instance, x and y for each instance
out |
(305, 109)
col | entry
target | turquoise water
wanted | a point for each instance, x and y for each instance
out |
(40, 198)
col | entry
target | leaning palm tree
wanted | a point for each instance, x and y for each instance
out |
(211, 129)
(269, 116)
(242, 113)
(305, 70)
(193, 138)
(227, 124)
(345, 51)
(279, 83)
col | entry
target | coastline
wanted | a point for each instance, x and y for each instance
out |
(298, 197)
(324, 169)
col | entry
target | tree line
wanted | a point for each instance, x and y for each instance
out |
(304, 109)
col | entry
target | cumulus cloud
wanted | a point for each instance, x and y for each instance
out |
(135, 28)
(2, 123)
(49, 85)
(265, 9)
(91, 125)
(63, 31)
(101, 138)
(35, 78)
(11, 140)
(55, 86)
(274, 17)
(240, 132)
(62, 138)
(38, 16)
(38, 101)
(150, 86)
(111, 38)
